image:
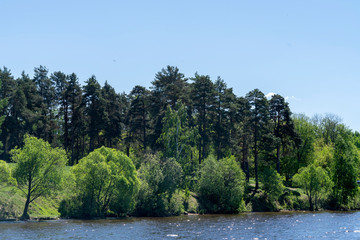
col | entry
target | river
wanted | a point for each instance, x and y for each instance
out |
(284, 225)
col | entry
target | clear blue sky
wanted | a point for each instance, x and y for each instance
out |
(308, 51)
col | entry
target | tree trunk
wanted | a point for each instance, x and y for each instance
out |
(278, 159)
(245, 159)
(144, 126)
(311, 203)
(25, 215)
(256, 162)
(256, 172)
(200, 151)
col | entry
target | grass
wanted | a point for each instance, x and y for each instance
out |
(12, 202)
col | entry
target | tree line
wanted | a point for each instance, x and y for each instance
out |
(54, 107)
(181, 125)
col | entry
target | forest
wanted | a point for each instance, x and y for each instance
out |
(186, 144)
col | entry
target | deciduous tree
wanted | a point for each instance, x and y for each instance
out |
(316, 183)
(39, 169)
(106, 180)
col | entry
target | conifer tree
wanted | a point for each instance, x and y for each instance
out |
(94, 110)
(259, 119)
(202, 94)
(282, 124)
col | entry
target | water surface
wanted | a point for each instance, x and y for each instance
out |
(289, 225)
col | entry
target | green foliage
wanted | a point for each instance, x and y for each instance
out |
(316, 183)
(168, 87)
(328, 127)
(223, 118)
(284, 130)
(294, 200)
(94, 111)
(3, 103)
(181, 121)
(39, 169)
(178, 138)
(221, 185)
(324, 154)
(137, 117)
(5, 175)
(105, 181)
(259, 125)
(12, 202)
(345, 170)
(159, 181)
(272, 184)
(303, 152)
(202, 96)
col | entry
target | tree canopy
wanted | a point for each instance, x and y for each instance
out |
(39, 169)
(105, 181)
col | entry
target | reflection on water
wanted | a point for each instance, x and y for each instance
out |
(290, 225)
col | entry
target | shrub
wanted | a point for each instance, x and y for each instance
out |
(159, 182)
(221, 185)
(272, 184)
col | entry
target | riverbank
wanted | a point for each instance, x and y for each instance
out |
(12, 203)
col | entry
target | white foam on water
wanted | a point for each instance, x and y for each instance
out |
(172, 235)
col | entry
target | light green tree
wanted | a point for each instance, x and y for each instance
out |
(105, 180)
(5, 175)
(177, 137)
(323, 154)
(345, 169)
(316, 183)
(302, 154)
(39, 169)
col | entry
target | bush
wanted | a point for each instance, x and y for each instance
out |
(293, 200)
(221, 186)
(159, 181)
(271, 184)
(5, 174)
(261, 203)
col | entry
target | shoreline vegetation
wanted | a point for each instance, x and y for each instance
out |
(186, 145)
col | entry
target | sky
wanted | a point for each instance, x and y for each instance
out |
(307, 51)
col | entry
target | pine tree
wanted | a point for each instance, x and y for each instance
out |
(94, 110)
(203, 102)
(113, 121)
(47, 122)
(223, 117)
(59, 79)
(282, 124)
(168, 87)
(138, 117)
(3, 103)
(243, 136)
(77, 127)
(259, 119)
